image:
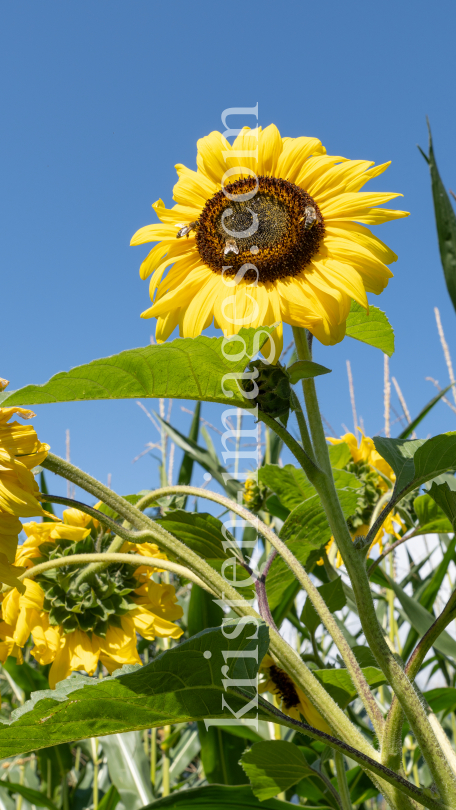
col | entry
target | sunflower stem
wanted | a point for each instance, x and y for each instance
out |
(344, 792)
(409, 699)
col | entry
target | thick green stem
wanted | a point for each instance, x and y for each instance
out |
(354, 562)
(342, 781)
(307, 464)
(395, 719)
(355, 671)
(302, 424)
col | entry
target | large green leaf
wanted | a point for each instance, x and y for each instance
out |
(186, 368)
(339, 685)
(371, 327)
(446, 499)
(418, 460)
(181, 685)
(32, 796)
(432, 520)
(306, 529)
(217, 797)
(292, 486)
(334, 595)
(200, 531)
(446, 222)
(274, 766)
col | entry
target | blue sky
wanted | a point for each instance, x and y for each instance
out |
(100, 100)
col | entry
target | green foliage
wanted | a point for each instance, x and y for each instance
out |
(180, 685)
(334, 595)
(186, 368)
(446, 222)
(274, 766)
(370, 327)
(417, 461)
(304, 369)
(217, 797)
(430, 517)
(446, 499)
(200, 531)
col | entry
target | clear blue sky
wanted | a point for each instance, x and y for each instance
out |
(99, 101)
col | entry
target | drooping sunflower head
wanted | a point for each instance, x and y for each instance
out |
(75, 625)
(266, 230)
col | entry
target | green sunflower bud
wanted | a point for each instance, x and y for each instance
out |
(274, 389)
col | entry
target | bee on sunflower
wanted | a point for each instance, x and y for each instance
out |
(75, 625)
(20, 452)
(284, 240)
(376, 478)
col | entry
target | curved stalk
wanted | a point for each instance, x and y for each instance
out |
(308, 465)
(355, 671)
(438, 764)
(302, 424)
(395, 718)
(109, 559)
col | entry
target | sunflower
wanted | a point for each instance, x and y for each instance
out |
(20, 452)
(376, 476)
(293, 701)
(276, 235)
(75, 626)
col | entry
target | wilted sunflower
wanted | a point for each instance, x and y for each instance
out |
(271, 236)
(374, 473)
(20, 452)
(293, 701)
(74, 626)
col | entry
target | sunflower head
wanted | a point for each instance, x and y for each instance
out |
(266, 230)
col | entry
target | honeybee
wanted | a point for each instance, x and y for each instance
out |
(230, 247)
(311, 217)
(185, 230)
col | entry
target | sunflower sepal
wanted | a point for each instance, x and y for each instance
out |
(274, 389)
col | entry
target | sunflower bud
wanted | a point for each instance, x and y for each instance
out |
(274, 389)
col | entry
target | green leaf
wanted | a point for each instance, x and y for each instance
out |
(446, 499)
(305, 530)
(303, 369)
(339, 455)
(446, 223)
(274, 766)
(441, 699)
(186, 368)
(430, 516)
(179, 686)
(217, 797)
(419, 460)
(110, 800)
(200, 531)
(339, 685)
(334, 595)
(32, 796)
(424, 412)
(292, 485)
(371, 327)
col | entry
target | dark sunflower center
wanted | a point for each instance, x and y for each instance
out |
(266, 222)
